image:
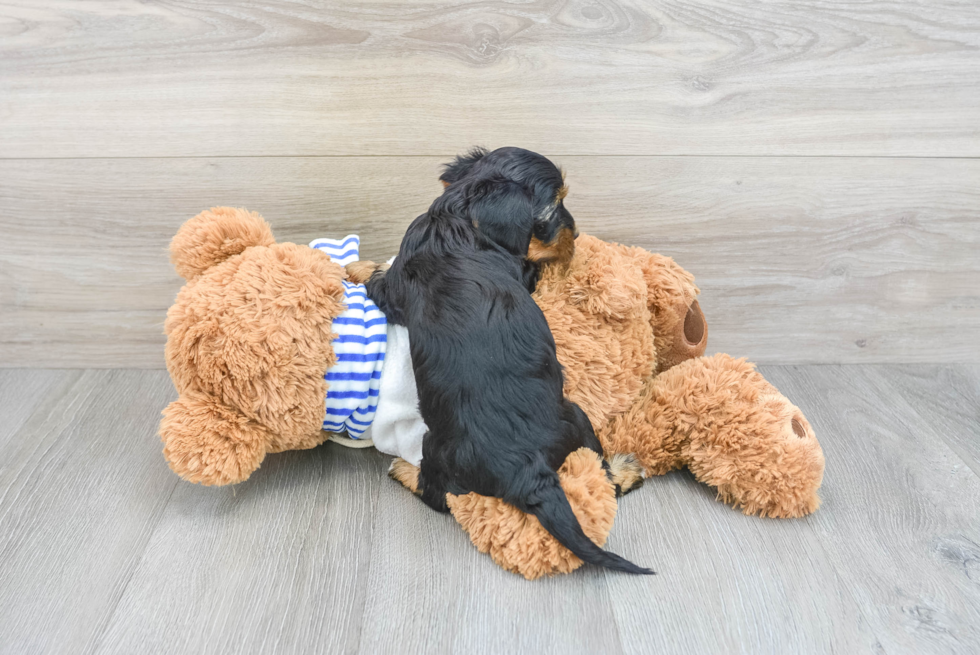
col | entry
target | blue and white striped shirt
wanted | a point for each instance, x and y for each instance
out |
(362, 337)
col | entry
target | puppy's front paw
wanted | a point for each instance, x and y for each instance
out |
(360, 271)
(404, 473)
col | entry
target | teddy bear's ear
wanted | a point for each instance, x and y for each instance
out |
(213, 236)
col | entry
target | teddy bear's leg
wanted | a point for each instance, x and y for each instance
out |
(733, 429)
(517, 542)
(208, 442)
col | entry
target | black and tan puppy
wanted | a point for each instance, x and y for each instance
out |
(489, 381)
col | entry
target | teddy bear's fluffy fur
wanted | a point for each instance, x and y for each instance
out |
(249, 340)
(630, 336)
(517, 541)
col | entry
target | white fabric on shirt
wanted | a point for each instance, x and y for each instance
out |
(398, 427)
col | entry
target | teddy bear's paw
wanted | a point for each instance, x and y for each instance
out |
(625, 472)
(405, 474)
(517, 542)
(208, 443)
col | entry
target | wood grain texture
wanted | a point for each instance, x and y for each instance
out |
(320, 552)
(889, 564)
(103, 550)
(827, 77)
(437, 593)
(82, 483)
(798, 259)
(727, 583)
(20, 394)
(946, 398)
(277, 564)
(900, 522)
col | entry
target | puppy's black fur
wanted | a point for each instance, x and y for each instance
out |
(489, 381)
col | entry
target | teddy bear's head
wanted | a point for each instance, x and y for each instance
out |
(618, 314)
(248, 342)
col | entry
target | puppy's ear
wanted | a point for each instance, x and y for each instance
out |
(459, 167)
(504, 213)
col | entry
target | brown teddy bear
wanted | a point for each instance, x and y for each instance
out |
(248, 342)
(630, 335)
(250, 339)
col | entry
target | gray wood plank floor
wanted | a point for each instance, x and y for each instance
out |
(103, 550)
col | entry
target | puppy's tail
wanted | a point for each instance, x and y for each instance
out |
(556, 516)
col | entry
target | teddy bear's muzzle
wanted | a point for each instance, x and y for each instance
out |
(695, 328)
(690, 337)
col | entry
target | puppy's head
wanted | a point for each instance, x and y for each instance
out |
(515, 197)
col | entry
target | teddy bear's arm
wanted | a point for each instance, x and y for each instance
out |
(209, 443)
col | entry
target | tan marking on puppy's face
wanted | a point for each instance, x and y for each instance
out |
(561, 249)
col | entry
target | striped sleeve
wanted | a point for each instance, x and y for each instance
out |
(355, 379)
(343, 251)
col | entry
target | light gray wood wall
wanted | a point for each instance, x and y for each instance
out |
(814, 164)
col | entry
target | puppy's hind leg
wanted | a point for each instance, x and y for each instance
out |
(578, 428)
(410, 477)
(625, 472)
(405, 474)
(433, 491)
